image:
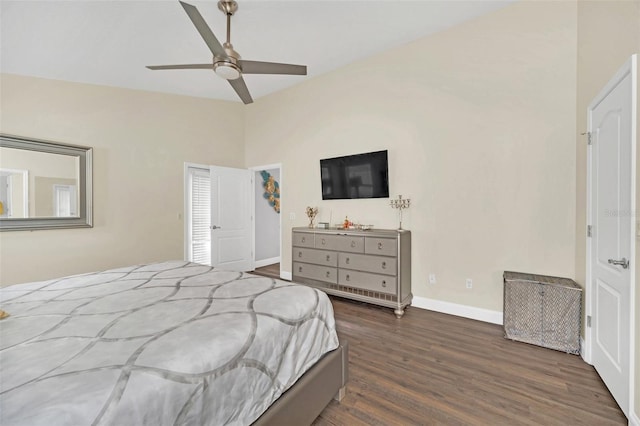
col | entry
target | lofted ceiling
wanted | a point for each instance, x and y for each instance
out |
(110, 42)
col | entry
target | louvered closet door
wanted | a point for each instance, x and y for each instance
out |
(199, 216)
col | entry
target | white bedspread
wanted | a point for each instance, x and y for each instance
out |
(159, 344)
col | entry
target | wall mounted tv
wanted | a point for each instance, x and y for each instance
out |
(355, 176)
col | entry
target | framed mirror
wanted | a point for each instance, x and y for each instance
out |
(44, 185)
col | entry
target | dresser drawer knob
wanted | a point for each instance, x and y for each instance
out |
(348, 277)
(384, 265)
(328, 258)
(328, 274)
(347, 261)
(384, 283)
(299, 254)
(323, 241)
(299, 268)
(303, 239)
(379, 246)
(353, 244)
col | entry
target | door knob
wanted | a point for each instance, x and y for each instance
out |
(622, 262)
(216, 227)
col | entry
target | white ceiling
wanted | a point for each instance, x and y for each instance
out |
(110, 42)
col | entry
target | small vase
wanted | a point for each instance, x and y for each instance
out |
(311, 222)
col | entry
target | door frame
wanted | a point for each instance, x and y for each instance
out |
(25, 188)
(629, 67)
(256, 169)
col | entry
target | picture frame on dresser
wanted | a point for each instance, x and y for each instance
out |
(372, 266)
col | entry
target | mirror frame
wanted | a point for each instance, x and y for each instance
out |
(85, 184)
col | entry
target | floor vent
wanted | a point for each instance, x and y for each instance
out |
(361, 292)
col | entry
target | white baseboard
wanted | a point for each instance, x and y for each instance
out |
(285, 275)
(266, 262)
(480, 314)
(634, 420)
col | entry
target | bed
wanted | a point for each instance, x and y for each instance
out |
(167, 343)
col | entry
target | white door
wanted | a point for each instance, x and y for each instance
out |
(231, 218)
(64, 200)
(611, 199)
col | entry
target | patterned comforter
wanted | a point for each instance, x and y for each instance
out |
(159, 344)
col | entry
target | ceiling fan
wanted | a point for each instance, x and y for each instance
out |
(227, 63)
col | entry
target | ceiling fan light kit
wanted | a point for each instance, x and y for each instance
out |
(226, 70)
(227, 63)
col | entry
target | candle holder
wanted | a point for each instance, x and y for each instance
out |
(400, 204)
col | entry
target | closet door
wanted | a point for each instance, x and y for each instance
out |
(198, 215)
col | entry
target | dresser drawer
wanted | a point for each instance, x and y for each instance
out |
(353, 244)
(366, 281)
(362, 262)
(319, 257)
(382, 246)
(303, 239)
(315, 272)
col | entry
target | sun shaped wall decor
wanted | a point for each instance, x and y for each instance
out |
(271, 190)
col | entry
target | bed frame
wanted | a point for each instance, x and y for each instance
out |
(306, 399)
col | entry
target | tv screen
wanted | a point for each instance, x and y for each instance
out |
(355, 176)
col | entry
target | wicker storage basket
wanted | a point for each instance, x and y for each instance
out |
(543, 310)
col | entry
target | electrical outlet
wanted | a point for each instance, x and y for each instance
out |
(469, 283)
(292, 216)
(432, 278)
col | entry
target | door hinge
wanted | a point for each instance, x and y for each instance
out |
(589, 321)
(589, 141)
(589, 230)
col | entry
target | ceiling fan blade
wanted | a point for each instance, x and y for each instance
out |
(241, 89)
(257, 67)
(181, 67)
(204, 30)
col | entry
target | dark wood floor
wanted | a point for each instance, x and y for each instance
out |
(272, 271)
(435, 369)
(432, 368)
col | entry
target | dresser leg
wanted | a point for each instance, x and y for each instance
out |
(399, 312)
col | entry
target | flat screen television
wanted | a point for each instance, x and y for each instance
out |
(355, 176)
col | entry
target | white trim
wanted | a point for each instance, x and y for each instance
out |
(629, 67)
(634, 420)
(266, 167)
(285, 275)
(471, 312)
(266, 262)
(632, 297)
(255, 169)
(582, 348)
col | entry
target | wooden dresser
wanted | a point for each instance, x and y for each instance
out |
(371, 266)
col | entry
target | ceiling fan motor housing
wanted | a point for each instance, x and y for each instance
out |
(229, 67)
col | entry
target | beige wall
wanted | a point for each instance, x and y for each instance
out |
(479, 121)
(140, 141)
(608, 33)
